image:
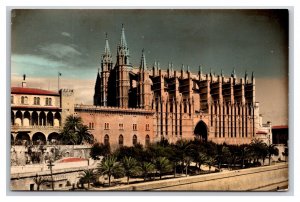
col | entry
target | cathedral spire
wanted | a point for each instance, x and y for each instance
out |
(246, 76)
(222, 73)
(252, 77)
(123, 42)
(233, 73)
(106, 48)
(143, 61)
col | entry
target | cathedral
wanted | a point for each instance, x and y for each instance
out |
(146, 104)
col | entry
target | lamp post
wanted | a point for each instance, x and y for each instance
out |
(50, 165)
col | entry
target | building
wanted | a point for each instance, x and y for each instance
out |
(143, 105)
(146, 104)
(37, 115)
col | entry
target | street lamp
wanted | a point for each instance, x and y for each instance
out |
(50, 165)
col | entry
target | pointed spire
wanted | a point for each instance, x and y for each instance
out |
(158, 66)
(155, 64)
(246, 75)
(182, 67)
(222, 73)
(143, 61)
(172, 69)
(233, 73)
(106, 49)
(188, 68)
(252, 77)
(200, 69)
(123, 42)
(210, 72)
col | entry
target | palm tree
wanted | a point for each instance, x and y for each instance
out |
(272, 150)
(110, 167)
(130, 167)
(38, 180)
(74, 132)
(183, 148)
(88, 176)
(162, 165)
(146, 168)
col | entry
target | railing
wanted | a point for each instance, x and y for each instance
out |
(35, 127)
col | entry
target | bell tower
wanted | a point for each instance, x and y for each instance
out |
(122, 69)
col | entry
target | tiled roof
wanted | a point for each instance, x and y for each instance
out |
(261, 132)
(280, 127)
(32, 91)
(71, 159)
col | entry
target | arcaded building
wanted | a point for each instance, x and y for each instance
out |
(37, 115)
(143, 104)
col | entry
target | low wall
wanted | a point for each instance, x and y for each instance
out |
(252, 179)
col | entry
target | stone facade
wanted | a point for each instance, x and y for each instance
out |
(37, 115)
(176, 104)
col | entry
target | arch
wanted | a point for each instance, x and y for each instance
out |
(19, 119)
(53, 138)
(26, 119)
(134, 140)
(39, 138)
(12, 118)
(42, 119)
(201, 131)
(22, 138)
(106, 140)
(147, 141)
(57, 119)
(121, 141)
(34, 118)
(49, 119)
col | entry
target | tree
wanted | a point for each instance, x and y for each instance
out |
(272, 150)
(130, 167)
(39, 180)
(146, 168)
(183, 149)
(110, 167)
(88, 176)
(210, 162)
(99, 149)
(74, 132)
(162, 165)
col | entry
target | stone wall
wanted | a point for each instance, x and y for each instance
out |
(240, 180)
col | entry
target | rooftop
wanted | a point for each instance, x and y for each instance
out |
(32, 91)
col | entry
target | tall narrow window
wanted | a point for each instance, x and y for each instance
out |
(134, 140)
(12, 99)
(147, 141)
(22, 100)
(121, 141)
(106, 139)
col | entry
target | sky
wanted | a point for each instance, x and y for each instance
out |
(45, 42)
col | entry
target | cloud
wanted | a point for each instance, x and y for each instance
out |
(66, 34)
(35, 60)
(59, 50)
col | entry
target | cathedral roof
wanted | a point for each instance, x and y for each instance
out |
(32, 91)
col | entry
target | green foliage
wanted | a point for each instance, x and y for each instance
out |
(74, 132)
(146, 168)
(110, 167)
(162, 165)
(88, 176)
(130, 167)
(99, 149)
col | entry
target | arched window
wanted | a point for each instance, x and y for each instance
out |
(22, 100)
(121, 141)
(50, 101)
(106, 139)
(147, 141)
(134, 140)
(26, 100)
(12, 99)
(38, 101)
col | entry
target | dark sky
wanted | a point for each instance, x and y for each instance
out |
(45, 42)
(253, 40)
